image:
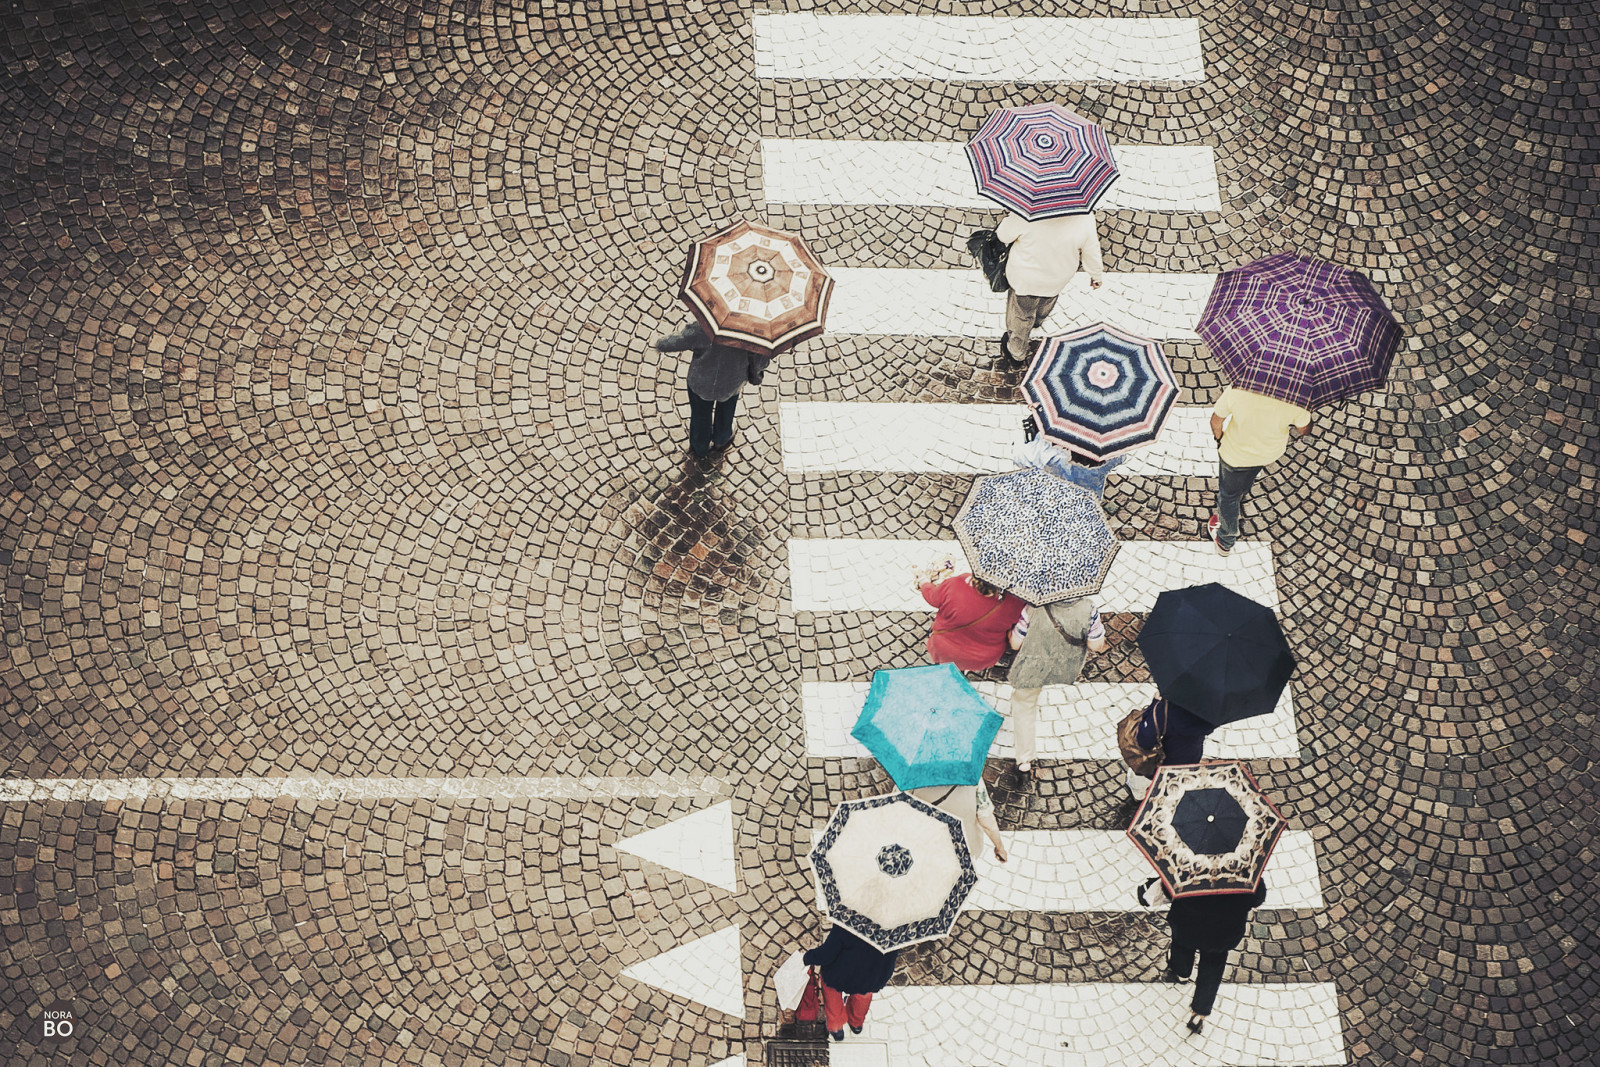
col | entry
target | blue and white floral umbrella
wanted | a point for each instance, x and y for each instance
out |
(1036, 535)
(893, 870)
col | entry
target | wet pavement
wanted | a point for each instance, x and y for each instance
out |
(366, 621)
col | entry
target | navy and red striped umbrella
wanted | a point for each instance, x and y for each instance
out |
(1299, 329)
(1100, 391)
(1041, 161)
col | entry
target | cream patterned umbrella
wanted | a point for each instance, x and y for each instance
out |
(893, 870)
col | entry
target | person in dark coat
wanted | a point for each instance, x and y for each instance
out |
(716, 374)
(851, 971)
(1181, 733)
(1210, 926)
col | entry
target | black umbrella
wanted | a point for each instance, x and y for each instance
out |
(1220, 655)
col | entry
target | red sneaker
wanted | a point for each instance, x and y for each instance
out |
(1211, 532)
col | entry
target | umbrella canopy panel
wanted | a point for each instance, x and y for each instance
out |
(893, 870)
(756, 288)
(1206, 828)
(1037, 535)
(1216, 653)
(1299, 329)
(927, 726)
(1100, 391)
(1041, 161)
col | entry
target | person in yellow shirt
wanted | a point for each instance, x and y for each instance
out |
(1252, 430)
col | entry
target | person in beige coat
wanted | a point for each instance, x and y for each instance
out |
(1045, 254)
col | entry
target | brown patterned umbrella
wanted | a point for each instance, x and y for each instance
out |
(756, 288)
(1206, 828)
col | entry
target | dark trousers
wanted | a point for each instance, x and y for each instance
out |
(1232, 484)
(1207, 982)
(710, 422)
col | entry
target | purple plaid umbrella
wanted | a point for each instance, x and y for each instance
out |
(1041, 161)
(1100, 391)
(1299, 329)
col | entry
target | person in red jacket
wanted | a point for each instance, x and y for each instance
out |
(973, 621)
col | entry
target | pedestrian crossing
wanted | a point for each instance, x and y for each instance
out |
(916, 302)
(1102, 1024)
(937, 174)
(1049, 871)
(1075, 722)
(964, 48)
(1098, 870)
(823, 437)
(864, 574)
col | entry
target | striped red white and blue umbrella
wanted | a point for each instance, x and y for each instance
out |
(1299, 329)
(1100, 391)
(1042, 160)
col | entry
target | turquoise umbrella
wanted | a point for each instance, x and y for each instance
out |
(927, 726)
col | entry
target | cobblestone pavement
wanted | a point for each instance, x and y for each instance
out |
(334, 446)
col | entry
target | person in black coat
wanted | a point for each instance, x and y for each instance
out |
(716, 374)
(1212, 926)
(1180, 732)
(851, 971)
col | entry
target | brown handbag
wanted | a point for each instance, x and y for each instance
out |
(1142, 761)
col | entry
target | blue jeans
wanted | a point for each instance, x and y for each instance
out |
(1232, 484)
(710, 422)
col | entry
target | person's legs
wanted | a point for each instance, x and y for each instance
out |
(856, 1009)
(1023, 313)
(700, 411)
(833, 1008)
(1180, 960)
(1138, 784)
(1024, 724)
(722, 423)
(1208, 981)
(1232, 484)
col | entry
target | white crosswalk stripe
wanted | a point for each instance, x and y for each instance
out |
(851, 574)
(1101, 1024)
(961, 48)
(1098, 870)
(822, 436)
(937, 174)
(1075, 722)
(913, 302)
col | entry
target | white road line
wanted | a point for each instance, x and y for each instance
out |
(961, 439)
(936, 174)
(1075, 722)
(1098, 870)
(848, 574)
(15, 790)
(914, 302)
(1100, 1024)
(958, 48)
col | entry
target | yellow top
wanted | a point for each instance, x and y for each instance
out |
(1259, 430)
